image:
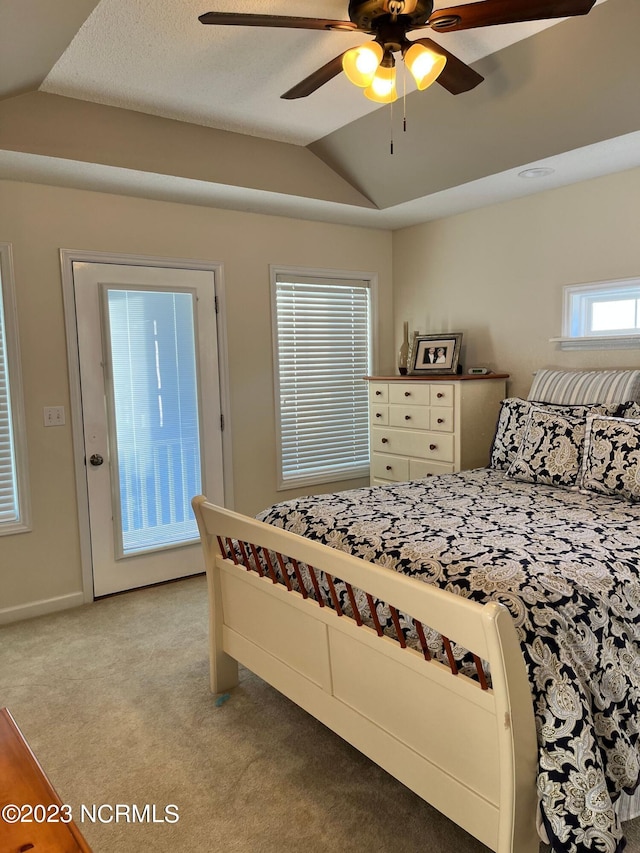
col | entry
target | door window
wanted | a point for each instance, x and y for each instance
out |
(154, 400)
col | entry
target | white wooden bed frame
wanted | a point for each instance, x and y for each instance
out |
(470, 752)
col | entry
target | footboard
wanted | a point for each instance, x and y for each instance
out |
(467, 745)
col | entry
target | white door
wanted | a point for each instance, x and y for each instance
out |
(151, 416)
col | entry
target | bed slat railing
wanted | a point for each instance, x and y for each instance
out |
(314, 582)
(238, 552)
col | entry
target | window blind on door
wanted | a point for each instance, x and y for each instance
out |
(323, 351)
(154, 398)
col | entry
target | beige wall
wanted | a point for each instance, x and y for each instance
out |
(40, 220)
(497, 274)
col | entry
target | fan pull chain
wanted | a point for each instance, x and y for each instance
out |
(391, 127)
(404, 97)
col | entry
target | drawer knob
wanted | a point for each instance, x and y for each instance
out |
(378, 393)
(407, 417)
(378, 414)
(433, 447)
(439, 395)
(385, 441)
(389, 468)
(407, 393)
(440, 420)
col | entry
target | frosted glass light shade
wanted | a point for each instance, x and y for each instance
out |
(383, 86)
(361, 63)
(425, 65)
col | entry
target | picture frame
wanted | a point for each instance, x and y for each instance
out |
(435, 353)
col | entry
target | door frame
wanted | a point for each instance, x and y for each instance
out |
(67, 259)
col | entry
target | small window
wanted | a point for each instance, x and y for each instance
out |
(602, 315)
(322, 351)
(605, 309)
(14, 512)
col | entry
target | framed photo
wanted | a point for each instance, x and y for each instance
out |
(435, 353)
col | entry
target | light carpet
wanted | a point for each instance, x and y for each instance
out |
(114, 700)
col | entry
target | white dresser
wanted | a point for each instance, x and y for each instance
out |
(431, 425)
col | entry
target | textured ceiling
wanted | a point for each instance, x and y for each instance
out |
(137, 97)
(158, 58)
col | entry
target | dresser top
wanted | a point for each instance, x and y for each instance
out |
(436, 377)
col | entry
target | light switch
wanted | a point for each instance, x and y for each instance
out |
(54, 416)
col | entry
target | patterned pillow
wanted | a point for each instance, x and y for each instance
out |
(512, 422)
(630, 409)
(509, 432)
(611, 463)
(551, 449)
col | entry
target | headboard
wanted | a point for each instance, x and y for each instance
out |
(575, 387)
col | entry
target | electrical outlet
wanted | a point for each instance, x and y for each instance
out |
(54, 416)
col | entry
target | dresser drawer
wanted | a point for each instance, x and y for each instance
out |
(441, 419)
(378, 392)
(442, 394)
(405, 393)
(425, 468)
(424, 445)
(413, 417)
(389, 467)
(379, 414)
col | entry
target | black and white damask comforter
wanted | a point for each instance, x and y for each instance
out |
(567, 565)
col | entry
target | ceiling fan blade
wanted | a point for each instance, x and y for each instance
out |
(242, 20)
(456, 76)
(490, 12)
(315, 80)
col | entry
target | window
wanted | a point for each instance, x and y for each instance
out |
(594, 313)
(323, 349)
(154, 401)
(13, 463)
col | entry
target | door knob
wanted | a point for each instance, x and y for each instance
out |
(96, 460)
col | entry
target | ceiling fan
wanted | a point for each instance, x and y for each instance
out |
(372, 66)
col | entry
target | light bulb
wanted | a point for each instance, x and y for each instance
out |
(361, 63)
(425, 65)
(383, 86)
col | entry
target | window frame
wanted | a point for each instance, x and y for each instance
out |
(320, 276)
(22, 523)
(578, 299)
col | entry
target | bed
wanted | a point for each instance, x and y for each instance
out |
(504, 690)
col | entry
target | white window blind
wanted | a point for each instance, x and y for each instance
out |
(13, 499)
(8, 480)
(154, 396)
(323, 351)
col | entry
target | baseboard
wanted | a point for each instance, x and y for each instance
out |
(40, 608)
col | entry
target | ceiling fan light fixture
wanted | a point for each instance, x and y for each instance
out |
(361, 63)
(425, 65)
(383, 86)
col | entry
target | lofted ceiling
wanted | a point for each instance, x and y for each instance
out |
(138, 97)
